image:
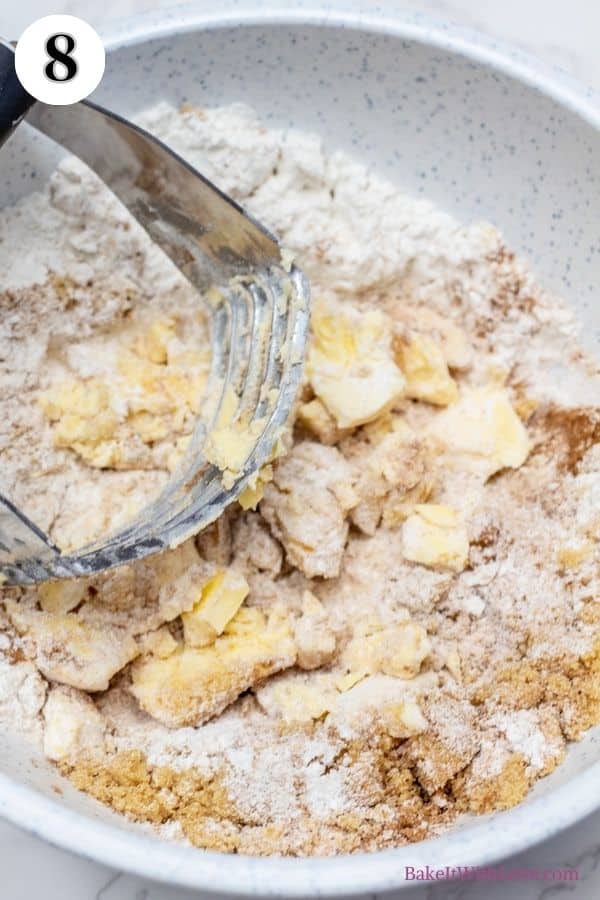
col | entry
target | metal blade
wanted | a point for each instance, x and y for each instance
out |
(206, 234)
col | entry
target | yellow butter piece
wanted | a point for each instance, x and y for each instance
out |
(453, 341)
(195, 684)
(316, 418)
(83, 420)
(139, 372)
(229, 447)
(255, 489)
(185, 388)
(220, 599)
(72, 726)
(83, 399)
(350, 363)
(437, 514)
(483, 428)
(404, 719)
(159, 389)
(435, 536)
(397, 510)
(252, 495)
(228, 409)
(153, 397)
(572, 555)
(397, 650)
(105, 455)
(61, 596)
(147, 379)
(426, 372)
(149, 427)
(159, 643)
(153, 345)
(247, 622)
(229, 443)
(301, 702)
(72, 429)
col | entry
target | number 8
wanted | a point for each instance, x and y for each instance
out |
(60, 56)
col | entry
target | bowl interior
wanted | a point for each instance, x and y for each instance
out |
(472, 138)
(476, 141)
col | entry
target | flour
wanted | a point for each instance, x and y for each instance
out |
(22, 688)
(88, 269)
(524, 734)
(373, 687)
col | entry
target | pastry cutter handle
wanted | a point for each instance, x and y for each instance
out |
(14, 99)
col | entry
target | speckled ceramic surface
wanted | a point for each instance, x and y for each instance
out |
(481, 131)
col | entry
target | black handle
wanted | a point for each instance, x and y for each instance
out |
(14, 99)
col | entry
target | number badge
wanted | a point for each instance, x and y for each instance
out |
(60, 60)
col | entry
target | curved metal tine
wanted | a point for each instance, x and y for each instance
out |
(263, 350)
(209, 237)
(207, 498)
(20, 538)
(212, 240)
(231, 319)
(289, 379)
(254, 344)
(173, 497)
(277, 352)
(239, 348)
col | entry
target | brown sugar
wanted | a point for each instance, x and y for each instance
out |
(568, 434)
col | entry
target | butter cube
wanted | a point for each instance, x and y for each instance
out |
(220, 599)
(72, 429)
(154, 343)
(61, 596)
(84, 399)
(435, 536)
(484, 430)
(196, 683)
(150, 428)
(425, 369)
(296, 700)
(315, 417)
(350, 363)
(82, 413)
(397, 650)
(255, 489)
(159, 643)
(402, 720)
(73, 726)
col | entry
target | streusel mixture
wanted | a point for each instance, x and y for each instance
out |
(399, 621)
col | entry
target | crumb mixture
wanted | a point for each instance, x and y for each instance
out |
(400, 621)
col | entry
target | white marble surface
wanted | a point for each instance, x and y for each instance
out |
(564, 32)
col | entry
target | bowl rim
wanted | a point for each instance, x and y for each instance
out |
(489, 838)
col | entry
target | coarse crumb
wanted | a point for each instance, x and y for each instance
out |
(399, 622)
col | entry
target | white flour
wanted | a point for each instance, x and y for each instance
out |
(456, 713)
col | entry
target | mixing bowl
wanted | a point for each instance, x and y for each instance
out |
(480, 130)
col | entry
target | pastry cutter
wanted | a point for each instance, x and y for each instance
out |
(258, 326)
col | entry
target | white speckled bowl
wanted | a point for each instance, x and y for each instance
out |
(480, 130)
